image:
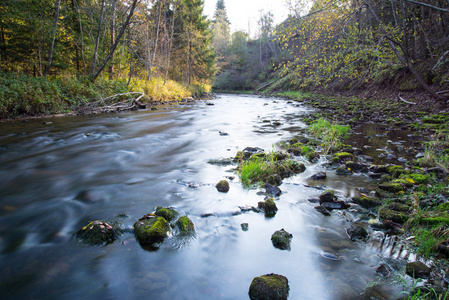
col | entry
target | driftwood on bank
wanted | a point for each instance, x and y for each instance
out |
(110, 104)
(405, 101)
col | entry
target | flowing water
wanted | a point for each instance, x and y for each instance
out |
(57, 175)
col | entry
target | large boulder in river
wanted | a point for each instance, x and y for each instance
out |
(269, 287)
(281, 239)
(223, 186)
(327, 196)
(98, 233)
(151, 229)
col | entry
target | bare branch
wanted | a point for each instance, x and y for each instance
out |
(428, 5)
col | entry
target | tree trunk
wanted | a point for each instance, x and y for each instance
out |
(111, 69)
(97, 40)
(170, 46)
(53, 34)
(404, 59)
(153, 58)
(122, 31)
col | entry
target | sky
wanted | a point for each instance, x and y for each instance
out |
(244, 12)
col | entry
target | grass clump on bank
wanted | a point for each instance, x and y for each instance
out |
(333, 134)
(32, 96)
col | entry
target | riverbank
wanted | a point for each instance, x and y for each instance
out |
(412, 197)
(27, 96)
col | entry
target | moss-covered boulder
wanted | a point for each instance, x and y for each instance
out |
(296, 167)
(281, 239)
(98, 233)
(268, 206)
(396, 216)
(185, 226)
(342, 156)
(269, 287)
(391, 187)
(168, 213)
(151, 229)
(222, 186)
(366, 202)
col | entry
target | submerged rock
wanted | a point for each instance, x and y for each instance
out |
(222, 186)
(98, 233)
(151, 229)
(417, 269)
(281, 239)
(268, 206)
(335, 205)
(269, 287)
(322, 210)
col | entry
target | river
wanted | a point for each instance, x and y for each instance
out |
(57, 174)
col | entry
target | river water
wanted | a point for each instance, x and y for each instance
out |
(58, 174)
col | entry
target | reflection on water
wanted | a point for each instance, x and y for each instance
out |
(56, 177)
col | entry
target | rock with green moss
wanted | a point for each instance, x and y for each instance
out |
(185, 226)
(296, 167)
(274, 179)
(151, 229)
(396, 216)
(168, 213)
(416, 178)
(268, 206)
(404, 182)
(98, 233)
(327, 196)
(395, 170)
(222, 186)
(344, 171)
(343, 156)
(391, 187)
(281, 239)
(269, 287)
(366, 202)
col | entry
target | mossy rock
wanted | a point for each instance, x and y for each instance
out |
(185, 226)
(239, 157)
(222, 186)
(269, 207)
(417, 178)
(269, 287)
(168, 213)
(391, 187)
(327, 196)
(393, 169)
(296, 167)
(343, 156)
(151, 229)
(366, 202)
(404, 182)
(392, 215)
(98, 233)
(281, 239)
(274, 179)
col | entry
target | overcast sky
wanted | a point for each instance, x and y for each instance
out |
(242, 12)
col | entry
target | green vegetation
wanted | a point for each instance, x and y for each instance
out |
(333, 134)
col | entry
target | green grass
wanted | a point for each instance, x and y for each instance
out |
(255, 171)
(332, 134)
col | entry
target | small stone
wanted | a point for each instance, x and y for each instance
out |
(383, 270)
(281, 239)
(272, 190)
(343, 171)
(269, 287)
(98, 233)
(323, 210)
(269, 206)
(244, 226)
(223, 186)
(356, 232)
(327, 196)
(319, 176)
